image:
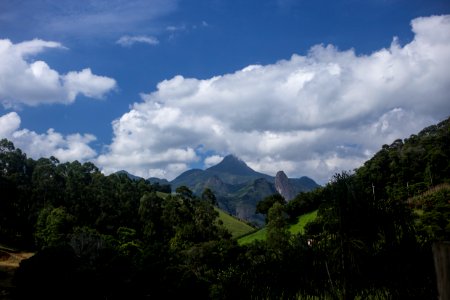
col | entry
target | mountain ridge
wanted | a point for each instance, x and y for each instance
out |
(238, 188)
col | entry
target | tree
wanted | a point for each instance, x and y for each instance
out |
(184, 192)
(129, 244)
(304, 202)
(345, 224)
(264, 205)
(150, 214)
(208, 196)
(47, 183)
(277, 232)
(17, 214)
(53, 226)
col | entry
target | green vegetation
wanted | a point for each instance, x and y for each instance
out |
(298, 227)
(162, 195)
(259, 235)
(99, 237)
(433, 211)
(236, 227)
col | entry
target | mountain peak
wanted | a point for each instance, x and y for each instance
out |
(129, 175)
(281, 174)
(283, 186)
(231, 158)
(233, 165)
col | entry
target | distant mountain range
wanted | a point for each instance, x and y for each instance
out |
(238, 187)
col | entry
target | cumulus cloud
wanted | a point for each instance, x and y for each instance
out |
(65, 148)
(128, 41)
(86, 83)
(8, 124)
(313, 114)
(33, 82)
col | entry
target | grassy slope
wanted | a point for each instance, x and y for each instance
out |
(294, 229)
(302, 221)
(235, 226)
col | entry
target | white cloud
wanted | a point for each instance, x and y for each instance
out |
(86, 83)
(212, 160)
(311, 115)
(35, 46)
(65, 148)
(8, 124)
(24, 81)
(87, 18)
(176, 30)
(173, 28)
(128, 41)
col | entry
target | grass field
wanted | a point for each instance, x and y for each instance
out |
(235, 226)
(298, 227)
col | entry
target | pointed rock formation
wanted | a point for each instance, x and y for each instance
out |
(283, 186)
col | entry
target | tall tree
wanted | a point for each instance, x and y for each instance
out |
(277, 232)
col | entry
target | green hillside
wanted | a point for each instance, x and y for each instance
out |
(235, 226)
(294, 228)
(302, 221)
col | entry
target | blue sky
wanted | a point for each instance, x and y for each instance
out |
(160, 86)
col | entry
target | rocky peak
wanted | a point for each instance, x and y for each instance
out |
(233, 165)
(214, 181)
(283, 186)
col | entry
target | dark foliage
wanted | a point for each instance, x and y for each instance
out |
(111, 237)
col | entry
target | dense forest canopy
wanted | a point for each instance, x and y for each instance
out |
(112, 237)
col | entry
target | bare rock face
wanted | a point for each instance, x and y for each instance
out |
(283, 186)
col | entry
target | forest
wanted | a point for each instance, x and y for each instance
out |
(111, 237)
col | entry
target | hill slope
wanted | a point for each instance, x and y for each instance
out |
(298, 227)
(236, 227)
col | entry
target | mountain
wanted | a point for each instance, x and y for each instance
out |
(283, 186)
(161, 185)
(238, 187)
(233, 170)
(302, 184)
(233, 165)
(154, 180)
(131, 176)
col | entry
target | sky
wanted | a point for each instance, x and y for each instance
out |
(157, 87)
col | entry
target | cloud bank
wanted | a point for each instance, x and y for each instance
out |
(313, 114)
(65, 148)
(33, 82)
